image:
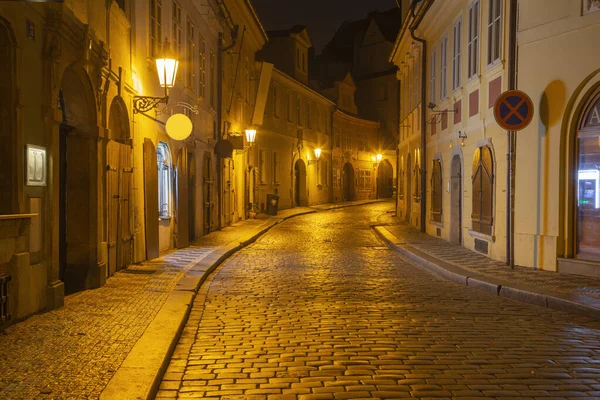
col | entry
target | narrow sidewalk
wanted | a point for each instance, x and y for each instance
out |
(570, 293)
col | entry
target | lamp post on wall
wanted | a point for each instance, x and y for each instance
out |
(166, 68)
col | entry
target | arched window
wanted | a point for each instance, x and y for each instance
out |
(483, 190)
(588, 183)
(165, 170)
(417, 172)
(436, 191)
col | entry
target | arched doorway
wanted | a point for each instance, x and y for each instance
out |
(208, 193)
(78, 177)
(119, 179)
(587, 186)
(385, 180)
(349, 182)
(456, 200)
(300, 183)
(409, 192)
(9, 149)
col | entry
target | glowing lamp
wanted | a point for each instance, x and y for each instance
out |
(167, 71)
(250, 136)
(317, 153)
(379, 157)
(179, 126)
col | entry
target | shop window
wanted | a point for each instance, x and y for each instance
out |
(483, 190)
(165, 184)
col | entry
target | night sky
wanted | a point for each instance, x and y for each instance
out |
(323, 17)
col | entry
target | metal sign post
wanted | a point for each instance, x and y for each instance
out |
(513, 111)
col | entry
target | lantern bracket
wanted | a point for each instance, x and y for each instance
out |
(142, 104)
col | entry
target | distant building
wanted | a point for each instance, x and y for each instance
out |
(361, 48)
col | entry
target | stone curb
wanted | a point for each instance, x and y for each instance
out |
(336, 206)
(571, 303)
(141, 372)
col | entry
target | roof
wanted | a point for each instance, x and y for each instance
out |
(296, 29)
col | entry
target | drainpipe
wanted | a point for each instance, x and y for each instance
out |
(423, 42)
(512, 139)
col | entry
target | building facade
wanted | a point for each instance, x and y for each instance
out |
(557, 215)
(453, 64)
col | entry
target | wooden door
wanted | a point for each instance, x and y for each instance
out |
(227, 191)
(112, 202)
(183, 229)
(125, 249)
(151, 199)
(191, 197)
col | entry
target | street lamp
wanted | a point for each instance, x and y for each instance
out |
(250, 136)
(317, 156)
(166, 68)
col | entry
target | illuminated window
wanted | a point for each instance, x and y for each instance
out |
(364, 179)
(165, 169)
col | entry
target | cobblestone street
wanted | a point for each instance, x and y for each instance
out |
(319, 308)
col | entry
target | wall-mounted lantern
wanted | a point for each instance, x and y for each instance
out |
(166, 67)
(250, 136)
(317, 156)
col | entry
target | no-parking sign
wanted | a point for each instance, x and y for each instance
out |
(513, 110)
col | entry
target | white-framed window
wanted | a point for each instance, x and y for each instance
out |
(444, 68)
(262, 166)
(432, 76)
(494, 30)
(364, 179)
(176, 28)
(473, 46)
(165, 171)
(276, 167)
(155, 27)
(456, 54)
(410, 87)
(417, 78)
(362, 142)
(202, 67)
(298, 111)
(191, 49)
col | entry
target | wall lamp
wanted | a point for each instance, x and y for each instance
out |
(377, 159)
(250, 139)
(166, 68)
(462, 136)
(317, 157)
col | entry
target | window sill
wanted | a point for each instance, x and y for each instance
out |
(165, 218)
(435, 223)
(482, 236)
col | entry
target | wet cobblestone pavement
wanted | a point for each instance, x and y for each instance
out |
(72, 352)
(319, 308)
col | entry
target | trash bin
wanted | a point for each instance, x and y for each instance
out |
(272, 204)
